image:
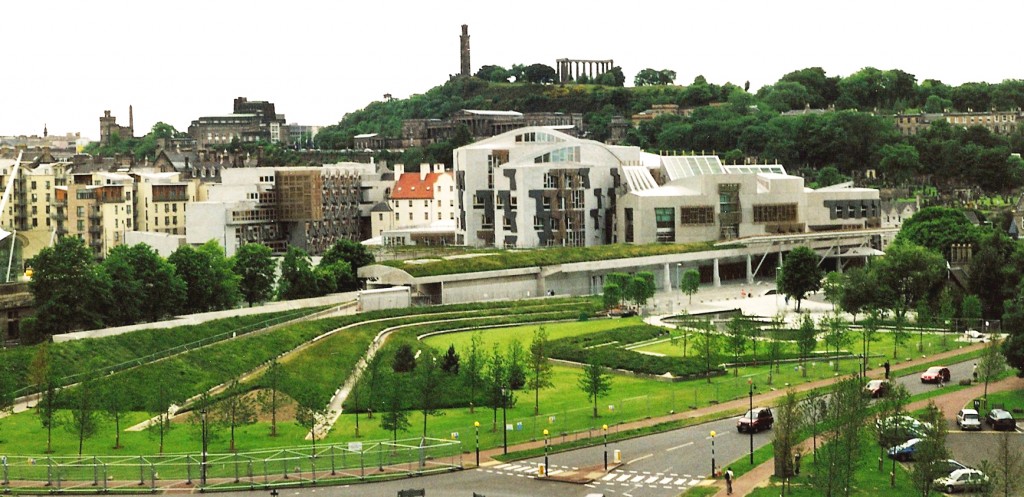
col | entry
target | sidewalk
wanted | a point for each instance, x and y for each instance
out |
(949, 404)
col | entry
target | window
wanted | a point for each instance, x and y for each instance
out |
(396, 217)
(550, 180)
(577, 199)
(775, 213)
(80, 211)
(512, 201)
(410, 203)
(167, 220)
(628, 214)
(33, 185)
(664, 218)
(696, 216)
(410, 216)
(426, 216)
(545, 202)
(175, 219)
(537, 224)
(380, 217)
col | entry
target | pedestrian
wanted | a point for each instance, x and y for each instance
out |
(728, 481)
(975, 371)
(797, 468)
(886, 366)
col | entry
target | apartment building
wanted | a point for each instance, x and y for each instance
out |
(160, 201)
(416, 200)
(97, 208)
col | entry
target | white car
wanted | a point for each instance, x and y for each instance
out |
(974, 336)
(968, 419)
(962, 480)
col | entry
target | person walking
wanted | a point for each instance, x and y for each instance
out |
(975, 371)
(886, 366)
(728, 481)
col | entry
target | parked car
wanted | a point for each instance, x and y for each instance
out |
(954, 465)
(968, 419)
(757, 419)
(903, 427)
(905, 450)
(877, 388)
(962, 480)
(935, 374)
(974, 336)
(1000, 419)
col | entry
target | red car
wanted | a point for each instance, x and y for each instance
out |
(760, 418)
(935, 374)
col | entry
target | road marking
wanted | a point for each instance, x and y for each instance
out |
(670, 449)
(681, 481)
(650, 480)
(637, 479)
(694, 482)
(664, 481)
(608, 476)
(641, 458)
(623, 477)
(503, 466)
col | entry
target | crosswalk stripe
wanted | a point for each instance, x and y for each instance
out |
(503, 466)
(651, 480)
(623, 478)
(694, 482)
(608, 476)
(637, 479)
(681, 481)
(664, 481)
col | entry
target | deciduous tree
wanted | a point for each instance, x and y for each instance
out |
(256, 269)
(540, 369)
(800, 274)
(594, 380)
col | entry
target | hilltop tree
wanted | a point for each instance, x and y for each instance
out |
(800, 274)
(539, 73)
(255, 266)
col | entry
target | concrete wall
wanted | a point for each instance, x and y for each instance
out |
(385, 298)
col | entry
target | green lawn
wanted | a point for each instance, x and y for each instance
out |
(504, 336)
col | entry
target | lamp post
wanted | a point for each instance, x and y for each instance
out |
(712, 453)
(605, 428)
(679, 282)
(750, 427)
(202, 464)
(476, 424)
(504, 421)
(546, 469)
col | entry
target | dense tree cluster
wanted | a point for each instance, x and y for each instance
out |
(134, 284)
(857, 134)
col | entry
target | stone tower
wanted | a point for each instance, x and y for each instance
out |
(464, 50)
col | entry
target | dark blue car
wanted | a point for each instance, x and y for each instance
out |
(905, 450)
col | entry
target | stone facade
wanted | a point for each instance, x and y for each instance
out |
(250, 121)
(109, 127)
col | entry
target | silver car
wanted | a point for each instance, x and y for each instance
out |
(962, 480)
(968, 419)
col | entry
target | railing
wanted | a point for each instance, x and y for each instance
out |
(289, 466)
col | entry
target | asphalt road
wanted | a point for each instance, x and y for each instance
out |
(659, 465)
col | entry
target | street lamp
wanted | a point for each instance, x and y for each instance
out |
(476, 424)
(605, 428)
(546, 469)
(504, 421)
(202, 464)
(750, 427)
(712, 453)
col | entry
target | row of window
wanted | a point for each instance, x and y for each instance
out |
(426, 203)
(426, 216)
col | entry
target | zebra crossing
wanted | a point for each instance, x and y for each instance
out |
(617, 478)
(651, 480)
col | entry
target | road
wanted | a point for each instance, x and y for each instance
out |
(659, 465)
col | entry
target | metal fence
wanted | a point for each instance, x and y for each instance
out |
(293, 466)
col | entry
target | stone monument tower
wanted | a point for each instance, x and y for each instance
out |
(464, 51)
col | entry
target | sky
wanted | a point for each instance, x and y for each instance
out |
(65, 62)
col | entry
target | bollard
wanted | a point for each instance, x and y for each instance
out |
(542, 470)
(618, 456)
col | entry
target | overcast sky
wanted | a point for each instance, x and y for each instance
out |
(65, 62)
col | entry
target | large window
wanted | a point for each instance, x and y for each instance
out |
(628, 218)
(695, 216)
(666, 224)
(567, 154)
(775, 213)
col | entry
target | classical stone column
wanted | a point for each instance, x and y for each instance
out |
(750, 271)
(667, 280)
(715, 277)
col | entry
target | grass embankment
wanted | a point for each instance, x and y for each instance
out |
(73, 358)
(511, 259)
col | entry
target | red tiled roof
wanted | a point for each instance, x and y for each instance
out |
(410, 187)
